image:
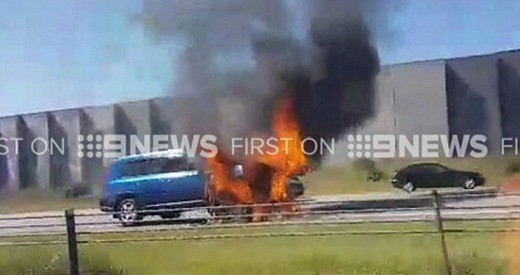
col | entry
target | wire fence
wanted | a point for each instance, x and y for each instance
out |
(74, 229)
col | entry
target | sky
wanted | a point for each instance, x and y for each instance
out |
(70, 53)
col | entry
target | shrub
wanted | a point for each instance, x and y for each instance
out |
(81, 189)
(369, 166)
(513, 167)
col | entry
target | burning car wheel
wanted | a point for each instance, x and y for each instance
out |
(209, 196)
(128, 212)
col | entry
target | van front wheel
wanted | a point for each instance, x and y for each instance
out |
(128, 212)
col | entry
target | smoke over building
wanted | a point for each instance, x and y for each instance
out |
(329, 72)
(241, 57)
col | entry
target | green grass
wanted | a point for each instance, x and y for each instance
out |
(53, 261)
(346, 254)
(342, 180)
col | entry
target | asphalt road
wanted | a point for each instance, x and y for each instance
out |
(391, 207)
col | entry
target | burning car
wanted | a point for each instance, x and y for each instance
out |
(264, 176)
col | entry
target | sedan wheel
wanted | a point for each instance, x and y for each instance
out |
(469, 184)
(128, 212)
(409, 187)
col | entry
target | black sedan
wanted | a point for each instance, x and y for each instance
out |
(430, 175)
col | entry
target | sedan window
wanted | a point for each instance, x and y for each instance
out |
(434, 168)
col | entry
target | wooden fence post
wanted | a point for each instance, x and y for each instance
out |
(437, 204)
(72, 241)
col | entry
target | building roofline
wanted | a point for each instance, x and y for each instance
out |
(454, 58)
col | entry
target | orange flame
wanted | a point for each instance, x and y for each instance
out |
(224, 186)
(288, 159)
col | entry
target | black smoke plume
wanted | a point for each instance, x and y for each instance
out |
(329, 71)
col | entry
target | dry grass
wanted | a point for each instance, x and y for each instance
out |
(346, 179)
(35, 201)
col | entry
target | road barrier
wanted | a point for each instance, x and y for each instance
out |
(65, 229)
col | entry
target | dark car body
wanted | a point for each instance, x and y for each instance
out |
(433, 175)
(295, 187)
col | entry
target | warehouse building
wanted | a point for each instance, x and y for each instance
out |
(454, 97)
(470, 95)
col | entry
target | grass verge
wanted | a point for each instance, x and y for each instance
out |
(348, 179)
(36, 201)
(330, 180)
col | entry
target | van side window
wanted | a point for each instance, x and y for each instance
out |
(154, 166)
(138, 168)
(175, 165)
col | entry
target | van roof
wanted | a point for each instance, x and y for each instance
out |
(172, 153)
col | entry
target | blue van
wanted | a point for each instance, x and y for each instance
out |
(153, 181)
